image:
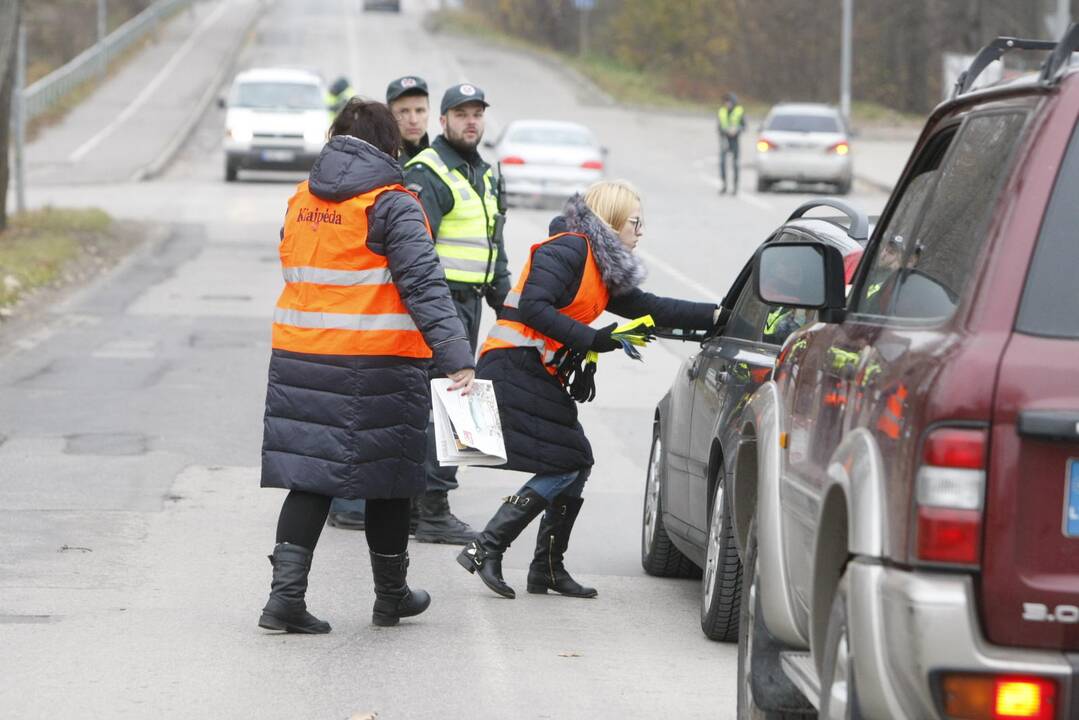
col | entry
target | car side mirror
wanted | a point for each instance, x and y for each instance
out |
(801, 275)
(604, 151)
(489, 144)
(221, 103)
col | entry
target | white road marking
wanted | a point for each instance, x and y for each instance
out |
(140, 99)
(678, 275)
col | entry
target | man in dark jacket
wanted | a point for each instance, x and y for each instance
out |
(408, 101)
(458, 193)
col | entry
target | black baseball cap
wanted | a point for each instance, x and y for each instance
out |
(460, 95)
(407, 85)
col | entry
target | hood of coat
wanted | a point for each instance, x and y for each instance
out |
(621, 269)
(348, 166)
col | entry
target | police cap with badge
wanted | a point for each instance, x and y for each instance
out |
(407, 85)
(462, 94)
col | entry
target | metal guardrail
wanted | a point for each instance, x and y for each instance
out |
(49, 90)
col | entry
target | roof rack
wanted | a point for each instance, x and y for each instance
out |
(1050, 70)
(859, 221)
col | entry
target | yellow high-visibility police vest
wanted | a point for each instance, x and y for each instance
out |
(731, 120)
(465, 242)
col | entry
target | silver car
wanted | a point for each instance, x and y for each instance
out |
(806, 143)
(547, 160)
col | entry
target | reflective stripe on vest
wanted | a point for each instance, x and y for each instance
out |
(339, 297)
(590, 301)
(729, 120)
(464, 243)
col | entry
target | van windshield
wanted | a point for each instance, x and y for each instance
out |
(277, 95)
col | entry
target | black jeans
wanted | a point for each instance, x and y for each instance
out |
(469, 308)
(303, 516)
(728, 146)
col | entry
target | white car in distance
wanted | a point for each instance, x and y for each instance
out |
(547, 160)
(275, 119)
(805, 143)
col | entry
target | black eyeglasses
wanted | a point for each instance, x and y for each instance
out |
(638, 224)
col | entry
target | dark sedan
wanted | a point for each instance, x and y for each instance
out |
(686, 528)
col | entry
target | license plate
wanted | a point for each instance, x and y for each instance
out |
(278, 155)
(1071, 505)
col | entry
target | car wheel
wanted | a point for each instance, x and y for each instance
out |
(843, 188)
(839, 695)
(763, 185)
(659, 556)
(721, 585)
(747, 631)
(230, 172)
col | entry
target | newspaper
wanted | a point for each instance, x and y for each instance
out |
(467, 428)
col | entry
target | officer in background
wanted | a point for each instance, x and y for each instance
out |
(407, 99)
(464, 206)
(731, 122)
(339, 93)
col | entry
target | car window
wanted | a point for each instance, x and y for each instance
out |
(550, 136)
(804, 123)
(1051, 295)
(757, 321)
(277, 95)
(925, 255)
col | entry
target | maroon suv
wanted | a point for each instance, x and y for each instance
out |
(906, 487)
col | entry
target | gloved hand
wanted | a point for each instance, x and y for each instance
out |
(719, 321)
(603, 342)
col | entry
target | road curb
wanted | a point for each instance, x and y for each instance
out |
(165, 158)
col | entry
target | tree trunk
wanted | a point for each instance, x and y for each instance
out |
(9, 35)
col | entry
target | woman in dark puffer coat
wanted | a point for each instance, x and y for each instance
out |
(365, 302)
(587, 266)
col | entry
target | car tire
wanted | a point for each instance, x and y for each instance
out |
(843, 188)
(763, 185)
(231, 171)
(721, 586)
(839, 692)
(659, 556)
(748, 629)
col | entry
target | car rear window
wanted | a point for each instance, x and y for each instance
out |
(804, 123)
(550, 136)
(277, 95)
(1051, 297)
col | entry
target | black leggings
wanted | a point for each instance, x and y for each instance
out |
(303, 516)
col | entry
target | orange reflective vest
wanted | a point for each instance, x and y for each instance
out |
(590, 301)
(339, 297)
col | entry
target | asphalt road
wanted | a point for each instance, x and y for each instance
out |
(130, 425)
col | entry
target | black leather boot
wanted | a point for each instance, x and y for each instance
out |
(547, 571)
(484, 554)
(437, 524)
(286, 609)
(393, 598)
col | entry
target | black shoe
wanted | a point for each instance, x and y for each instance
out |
(484, 554)
(723, 190)
(286, 609)
(438, 525)
(393, 598)
(547, 571)
(346, 520)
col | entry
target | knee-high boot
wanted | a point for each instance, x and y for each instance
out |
(484, 554)
(547, 571)
(286, 609)
(393, 597)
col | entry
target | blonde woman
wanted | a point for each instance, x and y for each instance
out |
(586, 266)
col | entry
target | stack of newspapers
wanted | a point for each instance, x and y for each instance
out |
(467, 428)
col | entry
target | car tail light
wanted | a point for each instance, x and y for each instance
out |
(950, 495)
(513, 160)
(764, 145)
(988, 697)
(592, 165)
(840, 148)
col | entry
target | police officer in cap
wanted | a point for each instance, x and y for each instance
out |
(464, 206)
(407, 99)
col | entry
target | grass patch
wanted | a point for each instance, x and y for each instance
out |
(38, 247)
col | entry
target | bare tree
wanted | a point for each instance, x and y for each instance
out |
(9, 36)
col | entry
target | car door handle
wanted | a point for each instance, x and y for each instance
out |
(1049, 424)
